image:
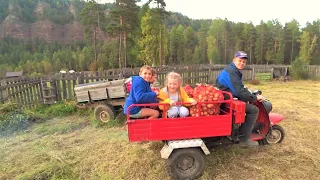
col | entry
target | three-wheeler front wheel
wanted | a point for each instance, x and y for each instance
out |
(274, 136)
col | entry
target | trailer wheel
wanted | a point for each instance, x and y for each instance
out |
(104, 113)
(274, 137)
(186, 163)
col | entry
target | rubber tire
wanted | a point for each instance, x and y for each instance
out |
(107, 109)
(276, 128)
(180, 154)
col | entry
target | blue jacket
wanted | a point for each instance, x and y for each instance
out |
(230, 79)
(140, 93)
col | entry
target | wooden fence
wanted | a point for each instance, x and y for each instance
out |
(23, 90)
(49, 89)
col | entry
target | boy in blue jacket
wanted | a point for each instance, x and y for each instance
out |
(141, 93)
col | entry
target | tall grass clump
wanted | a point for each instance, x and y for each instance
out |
(13, 118)
(60, 109)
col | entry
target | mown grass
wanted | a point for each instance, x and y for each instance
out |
(71, 148)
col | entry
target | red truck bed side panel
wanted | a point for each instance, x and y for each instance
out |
(179, 128)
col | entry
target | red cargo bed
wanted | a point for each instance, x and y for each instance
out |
(181, 128)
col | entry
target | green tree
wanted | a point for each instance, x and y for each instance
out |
(291, 36)
(180, 43)
(159, 15)
(249, 36)
(202, 38)
(275, 43)
(190, 43)
(314, 30)
(91, 17)
(308, 46)
(217, 31)
(197, 56)
(261, 43)
(173, 47)
(212, 51)
(123, 24)
(151, 40)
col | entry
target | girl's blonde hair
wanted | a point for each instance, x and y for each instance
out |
(174, 75)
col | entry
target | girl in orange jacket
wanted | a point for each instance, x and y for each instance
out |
(173, 93)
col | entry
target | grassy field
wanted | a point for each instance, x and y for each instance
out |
(71, 148)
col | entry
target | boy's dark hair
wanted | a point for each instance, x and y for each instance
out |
(153, 71)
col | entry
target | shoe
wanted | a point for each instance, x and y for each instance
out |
(248, 143)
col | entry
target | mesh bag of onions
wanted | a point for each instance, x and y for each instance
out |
(208, 95)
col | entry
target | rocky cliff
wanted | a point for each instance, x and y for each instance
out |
(44, 29)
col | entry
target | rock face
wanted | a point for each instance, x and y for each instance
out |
(12, 26)
(44, 29)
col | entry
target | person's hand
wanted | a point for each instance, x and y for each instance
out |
(193, 102)
(156, 91)
(172, 103)
(260, 98)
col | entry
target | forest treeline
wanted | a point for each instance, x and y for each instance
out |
(148, 34)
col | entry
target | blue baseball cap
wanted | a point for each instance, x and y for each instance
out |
(241, 55)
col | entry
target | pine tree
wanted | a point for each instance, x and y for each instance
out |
(189, 43)
(124, 22)
(150, 41)
(92, 17)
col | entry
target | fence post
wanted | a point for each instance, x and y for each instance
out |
(253, 73)
(272, 73)
(80, 78)
(3, 92)
(210, 78)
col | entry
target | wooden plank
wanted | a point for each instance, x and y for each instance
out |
(32, 100)
(40, 92)
(27, 94)
(98, 94)
(86, 78)
(64, 87)
(74, 82)
(35, 95)
(97, 75)
(22, 82)
(80, 78)
(69, 89)
(12, 95)
(109, 78)
(3, 90)
(105, 84)
(22, 97)
(58, 88)
(82, 96)
(53, 90)
(9, 90)
(18, 94)
(45, 93)
(40, 97)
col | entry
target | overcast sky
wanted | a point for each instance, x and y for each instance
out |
(246, 10)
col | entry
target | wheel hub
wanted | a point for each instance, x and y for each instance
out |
(274, 136)
(186, 164)
(104, 116)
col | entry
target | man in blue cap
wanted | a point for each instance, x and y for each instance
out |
(230, 79)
